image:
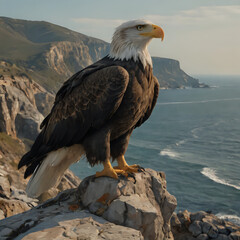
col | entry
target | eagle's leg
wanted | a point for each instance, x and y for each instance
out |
(122, 165)
(108, 171)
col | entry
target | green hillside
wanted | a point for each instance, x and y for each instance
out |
(50, 54)
(29, 45)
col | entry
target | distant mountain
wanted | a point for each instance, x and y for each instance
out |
(50, 54)
(170, 74)
(46, 52)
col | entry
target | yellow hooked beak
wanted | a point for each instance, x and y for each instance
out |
(156, 32)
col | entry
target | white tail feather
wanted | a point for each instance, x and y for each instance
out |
(50, 172)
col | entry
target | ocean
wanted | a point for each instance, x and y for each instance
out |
(193, 135)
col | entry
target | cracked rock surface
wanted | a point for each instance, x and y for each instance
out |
(100, 208)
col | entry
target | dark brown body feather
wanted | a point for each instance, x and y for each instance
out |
(97, 107)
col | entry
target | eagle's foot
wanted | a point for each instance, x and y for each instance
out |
(108, 171)
(129, 168)
(122, 165)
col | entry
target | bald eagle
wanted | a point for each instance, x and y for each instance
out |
(96, 111)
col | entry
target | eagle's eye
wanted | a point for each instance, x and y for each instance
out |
(140, 27)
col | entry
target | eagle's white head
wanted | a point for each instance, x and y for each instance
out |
(131, 39)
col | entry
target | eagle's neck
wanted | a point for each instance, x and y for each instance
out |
(122, 49)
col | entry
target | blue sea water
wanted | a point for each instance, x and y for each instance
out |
(193, 136)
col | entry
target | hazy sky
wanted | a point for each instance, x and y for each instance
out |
(204, 35)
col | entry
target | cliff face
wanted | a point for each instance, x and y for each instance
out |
(22, 104)
(45, 52)
(50, 54)
(170, 75)
(65, 58)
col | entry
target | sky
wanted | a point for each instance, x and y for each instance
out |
(204, 35)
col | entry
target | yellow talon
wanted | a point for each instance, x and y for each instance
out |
(123, 169)
(108, 171)
(122, 165)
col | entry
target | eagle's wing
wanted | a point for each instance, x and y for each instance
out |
(152, 104)
(87, 105)
(81, 104)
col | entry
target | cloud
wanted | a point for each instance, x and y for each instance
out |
(201, 15)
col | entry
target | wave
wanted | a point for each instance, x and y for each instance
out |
(144, 144)
(203, 101)
(170, 153)
(181, 142)
(211, 174)
(194, 132)
(228, 217)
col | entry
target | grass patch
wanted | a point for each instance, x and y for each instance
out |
(11, 145)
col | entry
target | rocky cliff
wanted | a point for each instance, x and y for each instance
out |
(136, 207)
(50, 54)
(13, 199)
(170, 74)
(45, 52)
(22, 103)
(102, 208)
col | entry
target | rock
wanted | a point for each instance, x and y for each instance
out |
(83, 226)
(211, 218)
(195, 228)
(184, 218)
(222, 237)
(210, 229)
(4, 186)
(130, 204)
(140, 204)
(44, 101)
(231, 227)
(19, 114)
(222, 229)
(13, 198)
(203, 225)
(14, 201)
(202, 237)
(2, 216)
(213, 232)
(12, 207)
(198, 216)
(235, 235)
(206, 227)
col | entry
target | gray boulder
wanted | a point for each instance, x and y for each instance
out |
(100, 208)
(202, 225)
(142, 203)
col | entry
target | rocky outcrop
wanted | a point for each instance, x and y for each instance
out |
(66, 58)
(137, 207)
(170, 75)
(129, 208)
(22, 105)
(49, 53)
(203, 226)
(13, 198)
